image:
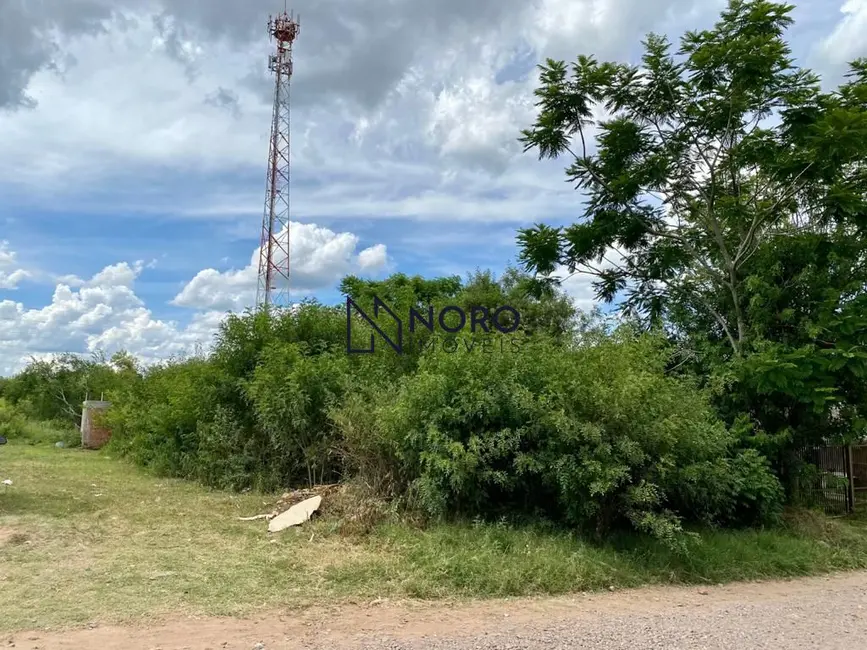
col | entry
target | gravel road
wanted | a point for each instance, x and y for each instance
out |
(827, 613)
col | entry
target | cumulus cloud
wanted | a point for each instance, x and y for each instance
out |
(10, 274)
(373, 259)
(103, 314)
(319, 258)
(579, 287)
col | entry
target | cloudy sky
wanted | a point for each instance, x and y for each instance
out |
(133, 138)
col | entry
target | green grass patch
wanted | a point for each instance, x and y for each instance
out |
(21, 430)
(86, 537)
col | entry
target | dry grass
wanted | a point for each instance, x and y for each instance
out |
(86, 538)
(91, 538)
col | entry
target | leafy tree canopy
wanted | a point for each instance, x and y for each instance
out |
(705, 156)
(727, 200)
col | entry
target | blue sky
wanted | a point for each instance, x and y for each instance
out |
(131, 202)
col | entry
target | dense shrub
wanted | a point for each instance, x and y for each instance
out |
(737, 490)
(251, 414)
(291, 392)
(53, 390)
(11, 422)
(15, 425)
(155, 421)
(595, 436)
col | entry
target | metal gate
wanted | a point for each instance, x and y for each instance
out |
(824, 478)
(859, 472)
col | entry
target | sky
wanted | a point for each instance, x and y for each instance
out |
(134, 137)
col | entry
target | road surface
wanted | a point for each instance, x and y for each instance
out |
(827, 613)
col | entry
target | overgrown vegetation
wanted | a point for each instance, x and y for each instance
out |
(731, 191)
(20, 428)
(572, 419)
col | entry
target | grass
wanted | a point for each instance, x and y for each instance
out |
(36, 433)
(85, 537)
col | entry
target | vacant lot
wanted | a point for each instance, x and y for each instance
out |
(86, 538)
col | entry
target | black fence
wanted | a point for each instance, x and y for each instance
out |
(824, 477)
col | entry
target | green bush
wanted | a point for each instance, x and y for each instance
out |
(595, 436)
(733, 491)
(291, 392)
(365, 453)
(16, 426)
(11, 423)
(155, 421)
(254, 413)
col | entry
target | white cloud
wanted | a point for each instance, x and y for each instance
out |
(103, 314)
(373, 259)
(428, 132)
(211, 289)
(319, 258)
(847, 41)
(71, 280)
(10, 273)
(117, 275)
(578, 287)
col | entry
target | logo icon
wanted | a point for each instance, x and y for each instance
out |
(378, 304)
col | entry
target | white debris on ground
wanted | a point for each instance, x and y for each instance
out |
(294, 508)
(296, 515)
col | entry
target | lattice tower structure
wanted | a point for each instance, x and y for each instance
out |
(274, 251)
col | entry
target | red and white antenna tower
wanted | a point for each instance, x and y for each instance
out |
(273, 290)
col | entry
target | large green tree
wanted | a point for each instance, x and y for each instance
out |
(727, 198)
(706, 154)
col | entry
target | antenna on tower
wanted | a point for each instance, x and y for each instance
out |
(273, 286)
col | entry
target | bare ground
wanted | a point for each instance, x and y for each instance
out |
(826, 613)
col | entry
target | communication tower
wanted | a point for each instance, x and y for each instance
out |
(273, 288)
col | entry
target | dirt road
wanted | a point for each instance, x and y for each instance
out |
(827, 613)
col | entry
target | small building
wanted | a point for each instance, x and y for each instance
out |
(94, 433)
